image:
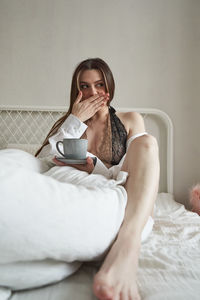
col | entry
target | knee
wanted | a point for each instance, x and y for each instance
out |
(146, 142)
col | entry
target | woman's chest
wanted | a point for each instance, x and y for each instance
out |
(97, 137)
(107, 140)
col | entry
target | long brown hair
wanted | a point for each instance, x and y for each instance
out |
(88, 64)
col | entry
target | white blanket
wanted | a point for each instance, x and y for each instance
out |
(169, 266)
(63, 215)
(52, 220)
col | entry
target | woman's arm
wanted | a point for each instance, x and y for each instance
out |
(133, 123)
(136, 127)
(73, 127)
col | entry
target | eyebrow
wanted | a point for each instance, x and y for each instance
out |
(94, 82)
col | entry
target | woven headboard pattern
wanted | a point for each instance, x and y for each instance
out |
(26, 126)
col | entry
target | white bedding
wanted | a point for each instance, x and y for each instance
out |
(49, 220)
(169, 260)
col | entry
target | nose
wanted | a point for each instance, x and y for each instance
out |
(93, 90)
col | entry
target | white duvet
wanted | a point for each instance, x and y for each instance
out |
(50, 221)
(169, 265)
(38, 237)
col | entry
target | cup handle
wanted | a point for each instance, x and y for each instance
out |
(58, 149)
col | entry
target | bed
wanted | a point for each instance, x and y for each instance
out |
(169, 265)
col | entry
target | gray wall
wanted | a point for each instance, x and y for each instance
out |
(151, 46)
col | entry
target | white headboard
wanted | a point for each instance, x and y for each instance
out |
(30, 125)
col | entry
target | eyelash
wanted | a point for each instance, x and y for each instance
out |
(83, 86)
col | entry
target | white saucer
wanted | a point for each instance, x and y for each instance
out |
(71, 161)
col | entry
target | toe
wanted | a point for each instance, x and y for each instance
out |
(103, 291)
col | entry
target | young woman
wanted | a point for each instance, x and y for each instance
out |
(119, 142)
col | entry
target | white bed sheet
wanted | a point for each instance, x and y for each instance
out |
(169, 261)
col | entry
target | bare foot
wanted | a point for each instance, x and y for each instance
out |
(116, 279)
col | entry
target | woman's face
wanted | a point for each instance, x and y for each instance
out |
(91, 82)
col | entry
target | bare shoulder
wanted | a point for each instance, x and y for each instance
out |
(133, 122)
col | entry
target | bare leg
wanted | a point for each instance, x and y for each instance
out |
(116, 278)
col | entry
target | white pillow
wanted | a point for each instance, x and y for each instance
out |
(30, 148)
(64, 215)
(166, 205)
(43, 218)
(25, 275)
(20, 158)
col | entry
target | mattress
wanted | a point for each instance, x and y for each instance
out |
(169, 264)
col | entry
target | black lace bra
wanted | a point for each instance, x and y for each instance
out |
(111, 145)
(119, 137)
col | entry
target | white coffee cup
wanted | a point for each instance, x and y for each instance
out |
(73, 148)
